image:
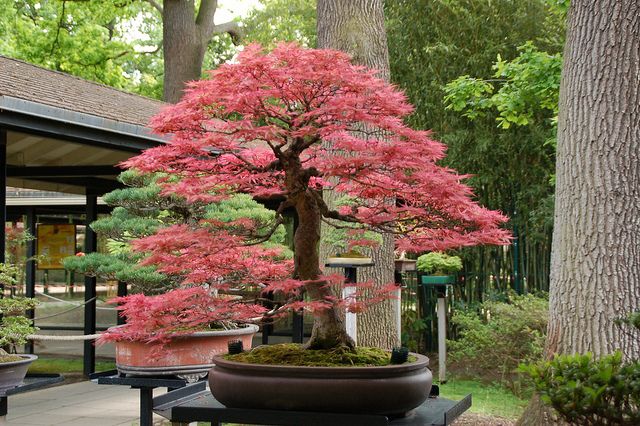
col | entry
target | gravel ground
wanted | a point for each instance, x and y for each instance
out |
(474, 419)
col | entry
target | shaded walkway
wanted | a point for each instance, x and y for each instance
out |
(83, 403)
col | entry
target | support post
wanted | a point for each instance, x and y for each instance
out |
(122, 291)
(3, 192)
(30, 268)
(351, 319)
(90, 246)
(146, 406)
(442, 334)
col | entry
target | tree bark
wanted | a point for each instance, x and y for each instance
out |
(595, 267)
(186, 36)
(328, 326)
(357, 27)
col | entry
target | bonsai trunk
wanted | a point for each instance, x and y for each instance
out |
(328, 328)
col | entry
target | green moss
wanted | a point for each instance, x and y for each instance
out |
(293, 354)
(9, 358)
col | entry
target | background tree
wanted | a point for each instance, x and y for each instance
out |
(281, 20)
(187, 31)
(87, 39)
(595, 273)
(511, 168)
(145, 47)
(357, 27)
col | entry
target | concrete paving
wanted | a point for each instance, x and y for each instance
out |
(77, 404)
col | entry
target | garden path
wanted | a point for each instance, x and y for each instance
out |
(77, 404)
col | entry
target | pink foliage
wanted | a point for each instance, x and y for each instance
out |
(155, 319)
(255, 122)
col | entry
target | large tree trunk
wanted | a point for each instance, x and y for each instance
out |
(186, 35)
(183, 47)
(595, 267)
(357, 27)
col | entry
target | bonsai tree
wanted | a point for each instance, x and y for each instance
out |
(284, 126)
(437, 263)
(14, 325)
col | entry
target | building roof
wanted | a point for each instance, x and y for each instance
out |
(29, 82)
(67, 134)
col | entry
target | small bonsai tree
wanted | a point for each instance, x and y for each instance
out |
(284, 126)
(14, 326)
(437, 263)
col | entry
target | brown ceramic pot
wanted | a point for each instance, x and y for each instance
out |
(188, 356)
(12, 373)
(392, 389)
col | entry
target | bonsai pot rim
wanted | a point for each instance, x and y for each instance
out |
(25, 358)
(240, 331)
(345, 371)
(12, 373)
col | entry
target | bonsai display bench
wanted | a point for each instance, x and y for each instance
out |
(195, 403)
(31, 382)
(146, 385)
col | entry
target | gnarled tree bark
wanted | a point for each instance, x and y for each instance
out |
(595, 267)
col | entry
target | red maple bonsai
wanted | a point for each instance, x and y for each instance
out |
(285, 126)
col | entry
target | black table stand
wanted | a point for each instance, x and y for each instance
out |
(146, 385)
(195, 403)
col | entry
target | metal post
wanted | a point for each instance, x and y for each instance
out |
(442, 335)
(516, 258)
(146, 406)
(90, 246)
(351, 320)
(30, 269)
(3, 192)
(297, 331)
(122, 291)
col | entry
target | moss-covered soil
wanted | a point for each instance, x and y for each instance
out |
(294, 354)
(9, 358)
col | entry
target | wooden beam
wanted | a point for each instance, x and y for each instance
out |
(62, 171)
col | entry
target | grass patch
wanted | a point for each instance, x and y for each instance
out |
(494, 400)
(293, 354)
(65, 365)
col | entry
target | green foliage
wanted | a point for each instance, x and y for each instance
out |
(413, 327)
(14, 326)
(282, 20)
(511, 168)
(438, 263)
(524, 90)
(587, 391)
(140, 210)
(494, 339)
(90, 39)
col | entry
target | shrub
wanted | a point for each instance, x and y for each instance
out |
(494, 339)
(585, 391)
(438, 263)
